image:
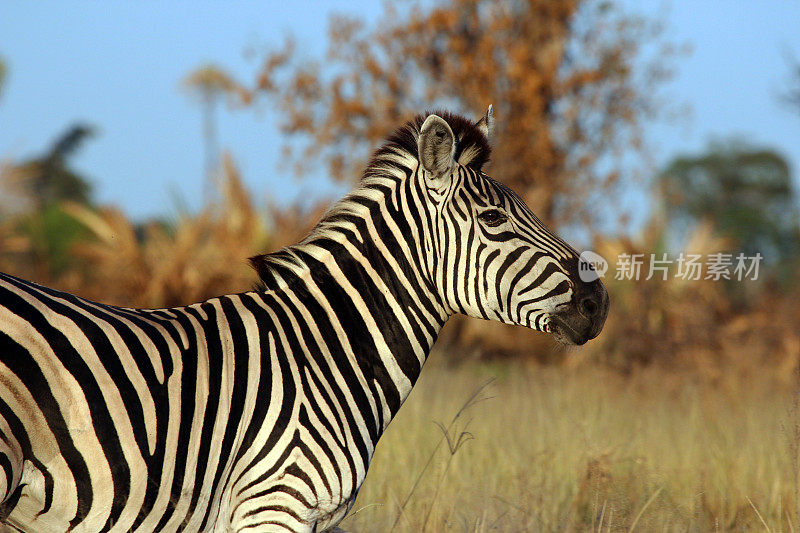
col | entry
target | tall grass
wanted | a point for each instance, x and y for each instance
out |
(586, 450)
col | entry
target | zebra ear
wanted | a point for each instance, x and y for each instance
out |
(486, 124)
(436, 146)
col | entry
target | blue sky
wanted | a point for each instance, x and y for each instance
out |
(118, 66)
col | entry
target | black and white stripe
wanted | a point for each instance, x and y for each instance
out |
(260, 411)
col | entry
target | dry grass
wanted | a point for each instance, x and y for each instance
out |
(589, 450)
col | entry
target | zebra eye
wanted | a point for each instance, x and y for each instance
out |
(493, 217)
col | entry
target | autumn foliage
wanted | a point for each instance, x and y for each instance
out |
(568, 81)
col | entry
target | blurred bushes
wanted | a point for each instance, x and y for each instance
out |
(713, 329)
(156, 264)
(160, 264)
(718, 330)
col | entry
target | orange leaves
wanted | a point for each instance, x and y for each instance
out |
(273, 61)
(560, 74)
(568, 80)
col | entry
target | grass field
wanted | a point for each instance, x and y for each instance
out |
(545, 449)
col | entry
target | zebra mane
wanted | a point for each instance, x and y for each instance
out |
(472, 146)
(394, 158)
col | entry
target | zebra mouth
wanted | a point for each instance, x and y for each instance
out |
(568, 333)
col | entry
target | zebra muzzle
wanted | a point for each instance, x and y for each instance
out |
(582, 319)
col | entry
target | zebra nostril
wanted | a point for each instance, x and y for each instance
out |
(589, 307)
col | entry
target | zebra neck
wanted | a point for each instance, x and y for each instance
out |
(370, 299)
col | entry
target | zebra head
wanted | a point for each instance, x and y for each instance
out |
(489, 255)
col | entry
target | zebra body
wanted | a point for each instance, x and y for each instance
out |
(251, 388)
(261, 411)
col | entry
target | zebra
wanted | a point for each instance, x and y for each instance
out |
(260, 411)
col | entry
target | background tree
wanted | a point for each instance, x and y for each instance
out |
(745, 192)
(48, 179)
(210, 84)
(38, 188)
(567, 78)
(571, 81)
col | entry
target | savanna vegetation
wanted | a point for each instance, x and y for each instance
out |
(683, 415)
(501, 446)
